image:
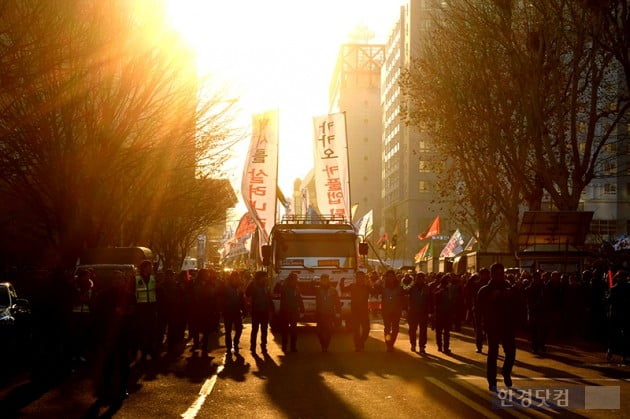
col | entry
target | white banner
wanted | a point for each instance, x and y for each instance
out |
(331, 165)
(260, 175)
(365, 224)
(454, 245)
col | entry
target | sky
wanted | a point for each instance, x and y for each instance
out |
(277, 54)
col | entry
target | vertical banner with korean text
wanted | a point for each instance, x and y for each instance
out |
(260, 175)
(331, 165)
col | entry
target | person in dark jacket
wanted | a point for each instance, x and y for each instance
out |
(207, 306)
(261, 308)
(327, 310)
(496, 304)
(114, 313)
(443, 314)
(537, 313)
(619, 318)
(359, 296)
(291, 307)
(392, 305)
(418, 312)
(233, 303)
(478, 281)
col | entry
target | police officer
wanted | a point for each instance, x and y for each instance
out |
(497, 305)
(146, 314)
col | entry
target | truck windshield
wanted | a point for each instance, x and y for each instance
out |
(308, 246)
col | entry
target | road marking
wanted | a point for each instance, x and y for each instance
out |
(205, 391)
(459, 396)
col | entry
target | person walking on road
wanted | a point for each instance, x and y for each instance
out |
(496, 304)
(391, 309)
(146, 313)
(261, 308)
(291, 307)
(359, 299)
(477, 281)
(327, 310)
(443, 314)
(207, 307)
(418, 312)
(233, 303)
(113, 314)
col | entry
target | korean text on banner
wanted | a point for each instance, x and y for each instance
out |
(331, 165)
(260, 174)
(454, 245)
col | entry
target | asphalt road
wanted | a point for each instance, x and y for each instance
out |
(338, 384)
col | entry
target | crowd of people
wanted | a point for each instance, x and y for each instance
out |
(140, 318)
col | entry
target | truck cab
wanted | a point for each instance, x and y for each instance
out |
(310, 248)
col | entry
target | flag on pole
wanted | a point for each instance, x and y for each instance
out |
(610, 279)
(424, 252)
(471, 243)
(331, 169)
(382, 241)
(365, 224)
(433, 230)
(260, 174)
(454, 245)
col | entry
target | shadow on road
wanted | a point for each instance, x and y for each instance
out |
(299, 387)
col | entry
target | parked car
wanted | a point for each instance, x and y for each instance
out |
(15, 319)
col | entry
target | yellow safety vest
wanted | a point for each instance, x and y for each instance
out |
(83, 308)
(145, 293)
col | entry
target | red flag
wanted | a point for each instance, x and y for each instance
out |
(433, 230)
(383, 239)
(610, 279)
(422, 253)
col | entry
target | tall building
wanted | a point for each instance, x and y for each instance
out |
(407, 183)
(355, 90)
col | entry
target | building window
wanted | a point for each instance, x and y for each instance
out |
(422, 145)
(610, 148)
(603, 227)
(610, 188)
(423, 186)
(423, 166)
(610, 168)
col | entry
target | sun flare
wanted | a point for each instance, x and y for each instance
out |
(278, 54)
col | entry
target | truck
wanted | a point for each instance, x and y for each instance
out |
(311, 247)
(476, 260)
(104, 261)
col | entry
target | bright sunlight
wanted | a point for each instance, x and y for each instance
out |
(277, 54)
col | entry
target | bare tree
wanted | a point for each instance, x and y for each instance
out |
(520, 95)
(100, 121)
